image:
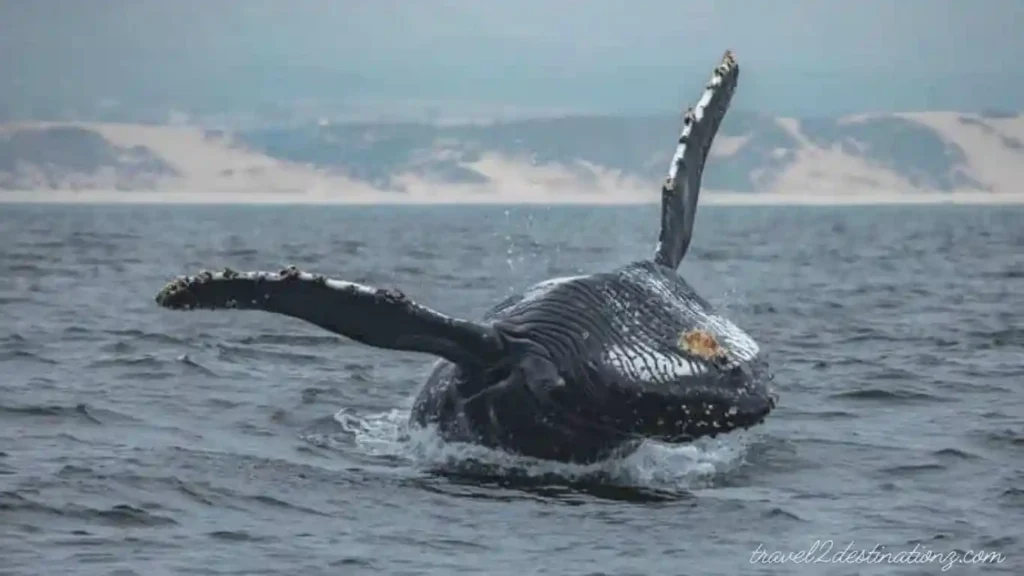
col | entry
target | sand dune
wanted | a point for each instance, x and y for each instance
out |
(927, 156)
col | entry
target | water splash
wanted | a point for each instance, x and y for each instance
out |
(653, 465)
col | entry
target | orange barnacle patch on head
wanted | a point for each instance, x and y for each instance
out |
(701, 343)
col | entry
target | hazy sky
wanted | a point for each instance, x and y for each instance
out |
(797, 56)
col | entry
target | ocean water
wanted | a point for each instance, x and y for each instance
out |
(137, 440)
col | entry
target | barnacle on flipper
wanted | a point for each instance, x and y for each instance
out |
(290, 273)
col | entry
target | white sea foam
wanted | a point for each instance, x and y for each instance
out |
(653, 466)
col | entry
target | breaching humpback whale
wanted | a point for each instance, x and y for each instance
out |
(573, 369)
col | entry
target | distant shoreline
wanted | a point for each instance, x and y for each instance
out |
(399, 199)
(770, 162)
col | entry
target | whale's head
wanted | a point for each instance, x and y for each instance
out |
(597, 358)
(713, 380)
(540, 393)
(716, 399)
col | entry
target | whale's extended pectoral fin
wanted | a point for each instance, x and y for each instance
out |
(682, 187)
(376, 317)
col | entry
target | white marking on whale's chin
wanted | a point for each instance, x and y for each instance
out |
(640, 362)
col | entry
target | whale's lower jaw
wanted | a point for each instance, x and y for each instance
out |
(511, 420)
(575, 427)
(739, 396)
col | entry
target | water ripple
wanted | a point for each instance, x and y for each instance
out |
(137, 440)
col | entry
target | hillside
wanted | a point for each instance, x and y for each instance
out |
(614, 159)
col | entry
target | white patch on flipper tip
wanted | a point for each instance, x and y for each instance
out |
(698, 116)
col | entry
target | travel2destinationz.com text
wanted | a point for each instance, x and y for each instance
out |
(827, 552)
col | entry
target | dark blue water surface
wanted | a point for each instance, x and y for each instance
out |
(137, 440)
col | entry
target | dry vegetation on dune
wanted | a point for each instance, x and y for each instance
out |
(927, 156)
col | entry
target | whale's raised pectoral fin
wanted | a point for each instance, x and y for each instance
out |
(376, 317)
(682, 187)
